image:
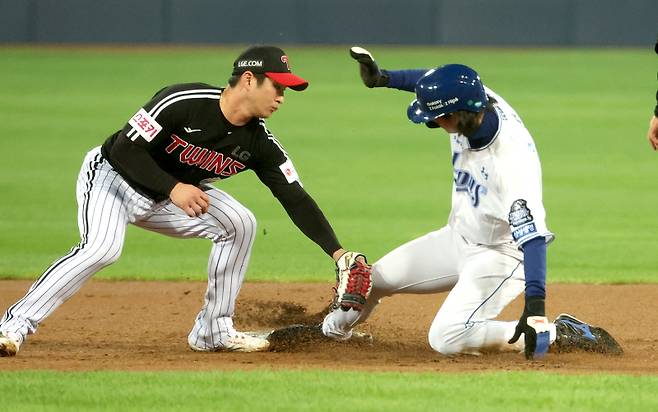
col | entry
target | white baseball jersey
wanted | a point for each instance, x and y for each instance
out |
(497, 189)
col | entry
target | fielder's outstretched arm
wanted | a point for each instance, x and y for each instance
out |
(301, 208)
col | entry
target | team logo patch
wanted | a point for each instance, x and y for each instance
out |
(145, 125)
(284, 60)
(519, 213)
(288, 170)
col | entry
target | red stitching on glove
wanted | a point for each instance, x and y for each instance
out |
(359, 279)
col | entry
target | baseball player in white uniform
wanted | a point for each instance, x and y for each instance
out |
(494, 245)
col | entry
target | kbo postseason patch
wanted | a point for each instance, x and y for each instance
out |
(519, 213)
(521, 221)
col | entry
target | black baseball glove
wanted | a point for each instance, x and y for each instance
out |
(371, 75)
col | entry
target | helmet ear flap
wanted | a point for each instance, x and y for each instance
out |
(432, 125)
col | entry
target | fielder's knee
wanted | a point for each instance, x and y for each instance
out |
(100, 258)
(251, 219)
(243, 222)
(250, 224)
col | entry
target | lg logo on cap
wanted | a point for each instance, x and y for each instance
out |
(284, 60)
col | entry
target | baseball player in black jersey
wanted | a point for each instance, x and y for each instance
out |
(155, 173)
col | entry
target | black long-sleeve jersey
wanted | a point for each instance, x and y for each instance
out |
(181, 135)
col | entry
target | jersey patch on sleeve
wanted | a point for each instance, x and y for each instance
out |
(145, 125)
(521, 220)
(524, 232)
(519, 213)
(288, 170)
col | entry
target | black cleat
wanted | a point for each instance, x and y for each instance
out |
(297, 337)
(293, 336)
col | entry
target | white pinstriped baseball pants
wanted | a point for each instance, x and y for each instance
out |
(106, 205)
(482, 280)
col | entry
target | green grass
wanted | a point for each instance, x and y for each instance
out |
(587, 109)
(322, 391)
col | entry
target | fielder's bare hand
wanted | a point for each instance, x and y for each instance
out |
(340, 252)
(652, 134)
(190, 199)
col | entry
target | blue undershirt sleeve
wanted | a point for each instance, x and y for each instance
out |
(404, 79)
(534, 262)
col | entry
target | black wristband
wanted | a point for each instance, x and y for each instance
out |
(383, 79)
(535, 306)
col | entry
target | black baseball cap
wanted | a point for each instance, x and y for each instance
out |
(270, 61)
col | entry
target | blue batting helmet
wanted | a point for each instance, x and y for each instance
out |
(445, 90)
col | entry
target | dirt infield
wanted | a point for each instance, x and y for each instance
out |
(144, 325)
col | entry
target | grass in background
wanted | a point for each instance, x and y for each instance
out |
(324, 390)
(587, 110)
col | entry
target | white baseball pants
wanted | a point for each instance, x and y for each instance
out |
(482, 280)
